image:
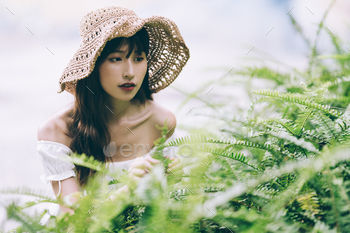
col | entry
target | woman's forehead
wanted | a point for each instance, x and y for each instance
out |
(124, 46)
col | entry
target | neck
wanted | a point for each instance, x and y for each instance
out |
(119, 110)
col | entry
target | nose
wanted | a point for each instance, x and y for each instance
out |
(128, 69)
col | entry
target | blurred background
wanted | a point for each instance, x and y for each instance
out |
(40, 37)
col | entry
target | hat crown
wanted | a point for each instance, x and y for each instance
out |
(95, 18)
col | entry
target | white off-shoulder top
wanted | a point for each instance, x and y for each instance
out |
(57, 170)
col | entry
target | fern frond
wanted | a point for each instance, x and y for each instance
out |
(287, 127)
(266, 73)
(241, 143)
(309, 202)
(299, 29)
(297, 99)
(238, 156)
(83, 160)
(328, 126)
(301, 121)
(33, 203)
(268, 160)
(298, 142)
(342, 99)
(29, 223)
(27, 191)
(186, 140)
(265, 191)
(338, 57)
(203, 139)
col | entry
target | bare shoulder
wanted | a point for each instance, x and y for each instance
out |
(54, 129)
(160, 114)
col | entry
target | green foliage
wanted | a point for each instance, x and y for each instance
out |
(282, 165)
(159, 144)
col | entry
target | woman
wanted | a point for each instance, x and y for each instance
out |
(121, 61)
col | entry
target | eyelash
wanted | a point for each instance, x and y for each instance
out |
(120, 58)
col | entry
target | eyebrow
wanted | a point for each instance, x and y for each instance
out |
(122, 51)
(119, 51)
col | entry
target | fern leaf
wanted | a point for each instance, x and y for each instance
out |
(309, 202)
(85, 161)
(299, 100)
(202, 139)
(238, 156)
(339, 57)
(266, 73)
(26, 191)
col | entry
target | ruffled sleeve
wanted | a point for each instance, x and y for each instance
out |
(54, 168)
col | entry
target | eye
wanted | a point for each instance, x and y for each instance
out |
(139, 58)
(118, 59)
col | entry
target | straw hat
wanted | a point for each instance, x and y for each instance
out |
(168, 52)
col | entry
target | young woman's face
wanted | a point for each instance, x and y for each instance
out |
(118, 69)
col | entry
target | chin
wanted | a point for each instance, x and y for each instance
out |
(125, 98)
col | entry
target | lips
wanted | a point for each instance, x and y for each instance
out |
(128, 84)
(130, 88)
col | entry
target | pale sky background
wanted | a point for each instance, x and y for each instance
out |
(218, 33)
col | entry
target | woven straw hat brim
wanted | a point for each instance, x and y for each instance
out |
(168, 52)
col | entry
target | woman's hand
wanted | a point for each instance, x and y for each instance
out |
(175, 167)
(141, 166)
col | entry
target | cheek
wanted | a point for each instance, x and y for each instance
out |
(143, 69)
(106, 74)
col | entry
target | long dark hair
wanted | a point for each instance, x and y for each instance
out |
(88, 125)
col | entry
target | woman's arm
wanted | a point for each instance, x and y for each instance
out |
(68, 188)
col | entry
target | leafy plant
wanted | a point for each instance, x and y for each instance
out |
(280, 165)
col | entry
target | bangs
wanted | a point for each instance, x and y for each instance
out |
(138, 43)
(134, 44)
